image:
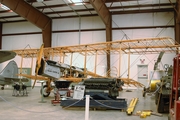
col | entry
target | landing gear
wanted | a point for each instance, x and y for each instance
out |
(145, 90)
(45, 92)
(19, 90)
(2, 88)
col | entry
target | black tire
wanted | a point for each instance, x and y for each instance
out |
(144, 92)
(156, 98)
(45, 93)
(160, 104)
(157, 94)
(2, 88)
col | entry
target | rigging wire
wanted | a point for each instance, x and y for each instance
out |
(131, 65)
(165, 28)
(148, 64)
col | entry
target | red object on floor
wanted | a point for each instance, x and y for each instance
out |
(174, 112)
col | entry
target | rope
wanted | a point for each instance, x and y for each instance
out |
(73, 104)
(96, 102)
(105, 105)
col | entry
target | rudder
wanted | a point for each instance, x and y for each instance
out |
(11, 70)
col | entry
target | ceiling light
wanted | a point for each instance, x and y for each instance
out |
(4, 7)
(39, 0)
(74, 1)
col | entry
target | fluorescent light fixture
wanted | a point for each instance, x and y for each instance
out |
(77, 2)
(74, 1)
(4, 7)
(39, 0)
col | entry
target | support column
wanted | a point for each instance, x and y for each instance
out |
(103, 12)
(34, 16)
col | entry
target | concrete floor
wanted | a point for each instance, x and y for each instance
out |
(30, 108)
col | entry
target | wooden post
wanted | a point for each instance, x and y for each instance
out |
(85, 62)
(71, 64)
(63, 57)
(21, 64)
(31, 64)
(52, 54)
(128, 64)
(60, 56)
(95, 64)
(120, 55)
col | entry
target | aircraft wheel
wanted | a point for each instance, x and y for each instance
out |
(45, 93)
(2, 88)
(144, 92)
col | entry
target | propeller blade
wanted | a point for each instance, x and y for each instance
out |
(38, 63)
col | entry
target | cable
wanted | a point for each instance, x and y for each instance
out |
(164, 28)
(131, 65)
(142, 69)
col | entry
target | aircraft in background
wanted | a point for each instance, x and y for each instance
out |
(6, 55)
(9, 74)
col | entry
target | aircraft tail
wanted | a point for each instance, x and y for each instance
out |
(11, 70)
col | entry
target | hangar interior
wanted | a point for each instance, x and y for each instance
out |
(27, 24)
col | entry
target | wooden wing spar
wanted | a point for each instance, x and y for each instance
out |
(135, 46)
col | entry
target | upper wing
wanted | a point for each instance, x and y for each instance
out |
(6, 55)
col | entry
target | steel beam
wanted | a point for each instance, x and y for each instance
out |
(105, 15)
(33, 15)
(142, 11)
(47, 35)
(103, 12)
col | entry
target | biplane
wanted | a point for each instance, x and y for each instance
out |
(76, 74)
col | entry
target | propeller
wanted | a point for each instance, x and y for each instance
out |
(38, 63)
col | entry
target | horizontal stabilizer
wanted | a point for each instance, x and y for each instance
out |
(17, 79)
(6, 55)
(33, 77)
(10, 70)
